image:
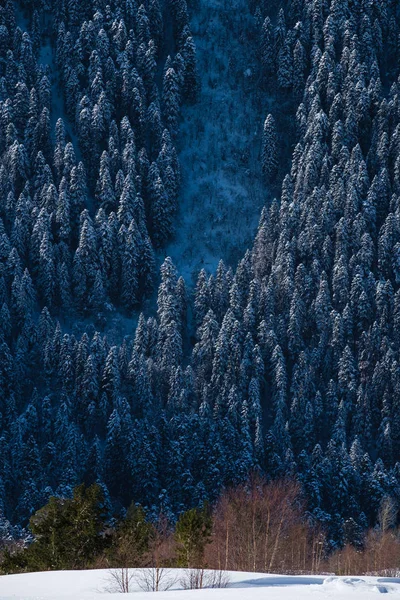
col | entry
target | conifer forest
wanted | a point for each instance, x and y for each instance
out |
(200, 253)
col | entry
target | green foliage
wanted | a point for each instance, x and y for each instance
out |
(69, 533)
(132, 539)
(13, 562)
(192, 534)
(49, 525)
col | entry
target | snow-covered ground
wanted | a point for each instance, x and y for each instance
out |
(219, 142)
(94, 585)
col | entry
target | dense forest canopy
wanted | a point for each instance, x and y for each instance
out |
(287, 362)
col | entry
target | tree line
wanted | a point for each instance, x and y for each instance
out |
(259, 526)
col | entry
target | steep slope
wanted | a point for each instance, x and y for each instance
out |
(220, 143)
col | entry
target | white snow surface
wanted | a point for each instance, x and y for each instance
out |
(95, 585)
(219, 143)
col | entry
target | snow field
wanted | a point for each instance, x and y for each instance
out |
(94, 585)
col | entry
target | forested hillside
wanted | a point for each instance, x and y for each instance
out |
(286, 362)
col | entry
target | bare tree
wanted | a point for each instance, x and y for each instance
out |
(218, 579)
(192, 579)
(157, 576)
(120, 580)
(155, 579)
(259, 526)
(380, 553)
(197, 579)
(387, 515)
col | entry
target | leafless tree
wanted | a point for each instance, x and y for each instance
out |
(155, 579)
(120, 580)
(387, 513)
(197, 579)
(158, 576)
(192, 579)
(217, 579)
(259, 526)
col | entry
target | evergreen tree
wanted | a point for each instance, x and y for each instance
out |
(193, 533)
(68, 532)
(269, 149)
